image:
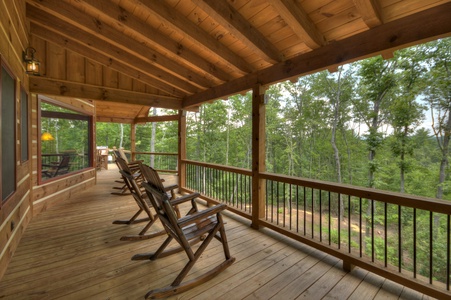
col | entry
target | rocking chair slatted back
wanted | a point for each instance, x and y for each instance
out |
(141, 200)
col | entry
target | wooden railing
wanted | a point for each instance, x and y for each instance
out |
(77, 161)
(401, 237)
(162, 162)
(223, 184)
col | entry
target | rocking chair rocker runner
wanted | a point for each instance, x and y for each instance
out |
(199, 226)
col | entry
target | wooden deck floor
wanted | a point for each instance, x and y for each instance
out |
(73, 251)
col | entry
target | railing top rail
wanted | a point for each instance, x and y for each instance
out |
(156, 153)
(219, 167)
(419, 202)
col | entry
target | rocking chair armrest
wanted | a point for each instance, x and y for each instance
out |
(184, 198)
(189, 219)
(135, 162)
(170, 187)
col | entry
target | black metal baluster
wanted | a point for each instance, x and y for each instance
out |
(277, 195)
(320, 217)
(431, 248)
(399, 238)
(372, 230)
(447, 250)
(339, 221)
(305, 213)
(329, 221)
(297, 208)
(289, 207)
(414, 243)
(385, 235)
(313, 214)
(360, 227)
(349, 223)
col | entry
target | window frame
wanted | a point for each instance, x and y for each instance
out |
(4, 66)
(24, 126)
(80, 115)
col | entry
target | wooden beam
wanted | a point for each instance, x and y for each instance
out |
(81, 49)
(370, 11)
(182, 133)
(95, 44)
(258, 154)
(300, 22)
(42, 85)
(94, 26)
(414, 29)
(190, 31)
(114, 120)
(237, 25)
(154, 38)
(151, 119)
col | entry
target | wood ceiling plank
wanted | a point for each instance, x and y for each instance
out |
(414, 29)
(203, 40)
(80, 22)
(300, 22)
(239, 27)
(155, 39)
(149, 119)
(70, 36)
(42, 85)
(370, 12)
(106, 61)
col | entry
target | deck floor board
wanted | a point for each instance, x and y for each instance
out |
(72, 251)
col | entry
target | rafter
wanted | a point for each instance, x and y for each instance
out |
(391, 36)
(72, 33)
(156, 119)
(155, 39)
(189, 30)
(300, 22)
(228, 17)
(77, 25)
(42, 85)
(105, 60)
(370, 11)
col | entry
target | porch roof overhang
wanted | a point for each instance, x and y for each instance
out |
(131, 55)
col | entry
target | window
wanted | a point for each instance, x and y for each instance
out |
(7, 103)
(65, 140)
(23, 125)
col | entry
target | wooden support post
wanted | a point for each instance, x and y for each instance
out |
(258, 154)
(347, 266)
(133, 141)
(182, 148)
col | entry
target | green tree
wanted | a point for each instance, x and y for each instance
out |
(406, 113)
(438, 94)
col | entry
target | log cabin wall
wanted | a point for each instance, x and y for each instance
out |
(47, 194)
(16, 212)
(29, 197)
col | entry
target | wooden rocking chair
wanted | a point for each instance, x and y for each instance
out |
(59, 168)
(132, 181)
(133, 167)
(199, 226)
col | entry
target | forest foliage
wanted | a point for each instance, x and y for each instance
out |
(379, 123)
(382, 123)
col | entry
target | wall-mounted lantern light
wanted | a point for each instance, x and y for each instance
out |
(31, 64)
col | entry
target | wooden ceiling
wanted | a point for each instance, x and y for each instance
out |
(178, 54)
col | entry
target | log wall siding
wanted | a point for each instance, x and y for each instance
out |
(16, 212)
(30, 198)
